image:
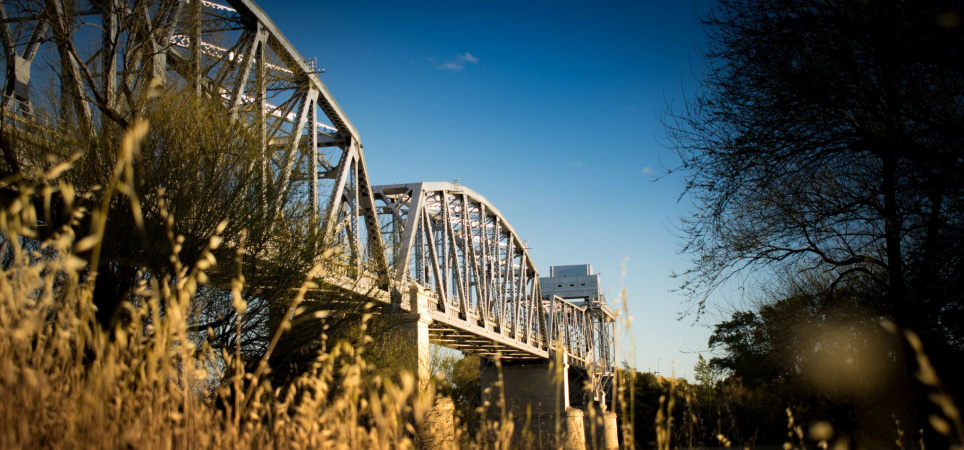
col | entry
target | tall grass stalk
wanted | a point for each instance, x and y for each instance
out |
(149, 382)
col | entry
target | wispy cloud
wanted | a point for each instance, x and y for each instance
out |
(648, 171)
(578, 164)
(458, 62)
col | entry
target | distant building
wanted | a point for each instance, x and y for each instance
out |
(574, 283)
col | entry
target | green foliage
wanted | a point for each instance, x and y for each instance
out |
(708, 379)
(646, 397)
(459, 377)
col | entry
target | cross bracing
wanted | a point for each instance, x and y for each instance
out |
(71, 64)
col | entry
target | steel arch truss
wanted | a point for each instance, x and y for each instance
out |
(457, 246)
(585, 333)
(101, 57)
(460, 249)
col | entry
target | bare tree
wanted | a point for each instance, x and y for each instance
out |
(826, 137)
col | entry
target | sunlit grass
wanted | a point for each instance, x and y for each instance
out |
(66, 382)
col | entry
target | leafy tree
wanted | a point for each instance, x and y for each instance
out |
(460, 378)
(826, 139)
(708, 379)
(823, 362)
(644, 396)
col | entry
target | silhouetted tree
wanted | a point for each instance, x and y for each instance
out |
(644, 396)
(826, 138)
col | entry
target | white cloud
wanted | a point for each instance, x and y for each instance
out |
(452, 66)
(648, 171)
(458, 62)
(578, 164)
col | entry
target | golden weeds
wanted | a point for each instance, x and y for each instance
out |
(65, 382)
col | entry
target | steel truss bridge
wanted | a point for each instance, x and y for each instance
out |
(79, 61)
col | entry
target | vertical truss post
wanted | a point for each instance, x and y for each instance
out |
(71, 87)
(261, 114)
(498, 291)
(254, 47)
(484, 269)
(194, 47)
(338, 191)
(17, 84)
(306, 103)
(353, 219)
(367, 205)
(552, 324)
(313, 152)
(531, 303)
(158, 42)
(446, 242)
(6, 37)
(429, 233)
(452, 273)
(111, 34)
(520, 295)
(467, 261)
(506, 284)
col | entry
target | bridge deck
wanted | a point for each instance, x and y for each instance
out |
(450, 329)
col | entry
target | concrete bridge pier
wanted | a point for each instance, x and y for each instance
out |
(437, 430)
(414, 327)
(548, 399)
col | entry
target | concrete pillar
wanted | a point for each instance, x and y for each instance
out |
(610, 431)
(531, 387)
(536, 393)
(414, 331)
(575, 430)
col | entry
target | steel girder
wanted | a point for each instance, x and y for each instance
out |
(85, 60)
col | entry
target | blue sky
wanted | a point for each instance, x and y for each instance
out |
(549, 110)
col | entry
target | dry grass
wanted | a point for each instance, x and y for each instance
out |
(67, 383)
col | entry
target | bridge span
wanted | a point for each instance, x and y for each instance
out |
(438, 251)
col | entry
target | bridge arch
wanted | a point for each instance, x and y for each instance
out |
(458, 247)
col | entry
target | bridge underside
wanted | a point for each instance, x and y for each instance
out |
(446, 329)
(485, 343)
